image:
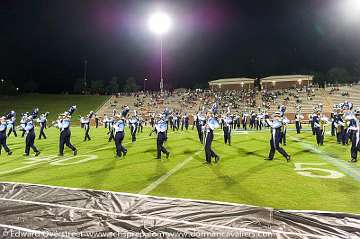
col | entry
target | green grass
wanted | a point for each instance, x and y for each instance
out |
(242, 176)
(52, 103)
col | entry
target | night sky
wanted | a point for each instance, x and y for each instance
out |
(48, 40)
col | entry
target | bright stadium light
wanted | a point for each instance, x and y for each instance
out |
(159, 23)
(351, 10)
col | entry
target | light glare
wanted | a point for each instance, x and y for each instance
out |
(159, 23)
(351, 10)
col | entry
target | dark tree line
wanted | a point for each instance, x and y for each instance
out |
(338, 75)
(335, 75)
(105, 87)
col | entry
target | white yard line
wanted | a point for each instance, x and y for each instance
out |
(155, 184)
(270, 231)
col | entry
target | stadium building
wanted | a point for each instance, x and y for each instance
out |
(286, 81)
(232, 84)
(269, 83)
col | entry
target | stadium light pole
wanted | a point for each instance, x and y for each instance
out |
(159, 24)
(145, 84)
(85, 74)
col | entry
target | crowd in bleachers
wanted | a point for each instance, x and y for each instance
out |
(186, 100)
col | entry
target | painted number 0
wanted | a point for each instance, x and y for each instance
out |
(308, 171)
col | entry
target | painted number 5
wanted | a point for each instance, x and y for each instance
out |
(308, 172)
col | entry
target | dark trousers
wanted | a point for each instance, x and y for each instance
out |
(340, 136)
(244, 125)
(65, 140)
(3, 142)
(12, 129)
(119, 136)
(175, 126)
(333, 129)
(209, 153)
(355, 146)
(133, 133)
(41, 133)
(283, 137)
(258, 125)
(87, 136)
(227, 134)
(161, 138)
(96, 123)
(200, 133)
(111, 134)
(140, 128)
(319, 136)
(30, 139)
(298, 127)
(312, 127)
(274, 145)
(347, 136)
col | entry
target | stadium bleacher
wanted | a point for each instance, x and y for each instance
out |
(179, 100)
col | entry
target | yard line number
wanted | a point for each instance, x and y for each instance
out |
(309, 171)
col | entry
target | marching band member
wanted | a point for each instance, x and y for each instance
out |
(285, 122)
(97, 121)
(185, 121)
(252, 120)
(209, 128)
(298, 118)
(110, 126)
(141, 124)
(119, 128)
(42, 122)
(244, 120)
(282, 110)
(194, 121)
(317, 128)
(133, 123)
(160, 129)
(152, 119)
(23, 123)
(65, 134)
(333, 117)
(105, 121)
(311, 121)
(355, 142)
(175, 121)
(259, 120)
(11, 122)
(236, 120)
(85, 122)
(340, 127)
(200, 122)
(227, 128)
(275, 125)
(3, 144)
(30, 137)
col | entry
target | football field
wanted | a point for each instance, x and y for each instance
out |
(317, 178)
